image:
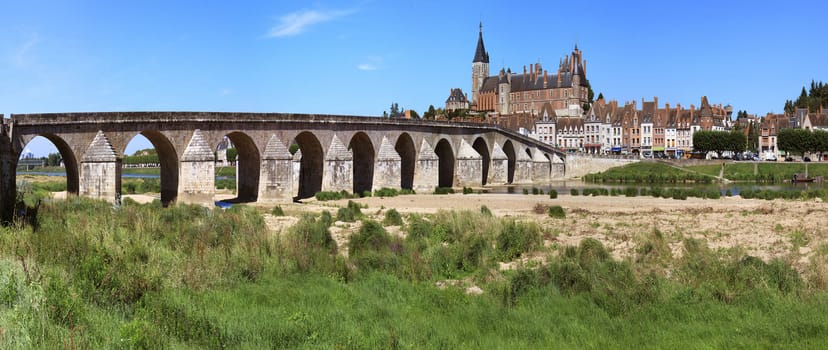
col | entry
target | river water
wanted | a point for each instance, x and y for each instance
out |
(566, 186)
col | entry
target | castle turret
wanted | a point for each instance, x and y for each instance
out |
(480, 66)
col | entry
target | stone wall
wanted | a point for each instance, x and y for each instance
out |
(580, 165)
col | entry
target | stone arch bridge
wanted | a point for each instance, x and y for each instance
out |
(335, 153)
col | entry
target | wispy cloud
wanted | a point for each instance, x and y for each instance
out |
(21, 54)
(373, 63)
(297, 22)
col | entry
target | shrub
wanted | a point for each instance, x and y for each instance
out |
(557, 212)
(485, 211)
(392, 218)
(553, 194)
(517, 238)
(332, 195)
(574, 192)
(386, 192)
(443, 190)
(467, 190)
(525, 191)
(535, 190)
(277, 211)
(631, 192)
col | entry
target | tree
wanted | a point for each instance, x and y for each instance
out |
(794, 141)
(430, 113)
(232, 154)
(394, 111)
(600, 95)
(753, 137)
(736, 142)
(414, 114)
(717, 141)
(53, 159)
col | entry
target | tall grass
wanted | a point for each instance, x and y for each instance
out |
(91, 276)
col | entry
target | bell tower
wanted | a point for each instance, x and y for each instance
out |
(480, 66)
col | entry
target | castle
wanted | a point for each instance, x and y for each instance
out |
(509, 93)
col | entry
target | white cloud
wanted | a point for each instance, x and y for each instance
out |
(373, 63)
(21, 54)
(297, 22)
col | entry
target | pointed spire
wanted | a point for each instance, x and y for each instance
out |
(480, 55)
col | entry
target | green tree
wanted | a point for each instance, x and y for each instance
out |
(600, 96)
(232, 154)
(753, 137)
(53, 159)
(794, 141)
(414, 114)
(430, 114)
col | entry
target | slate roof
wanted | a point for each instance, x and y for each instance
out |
(480, 55)
(456, 95)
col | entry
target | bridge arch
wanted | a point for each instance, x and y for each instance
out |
(248, 163)
(70, 161)
(168, 159)
(445, 152)
(408, 156)
(482, 148)
(511, 157)
(363, 157)
(311, 164)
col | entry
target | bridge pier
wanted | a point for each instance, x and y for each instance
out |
(469, 166)
(197, 174)
(557, 168)
(8, 170)
(540, 167)
(276, 181)
(388, 167)
(523, 168)
(427, 169)
(100, 171)
(338, 174)
(499, 169)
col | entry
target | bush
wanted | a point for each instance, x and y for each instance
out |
(467, 190)
(332, 195)
(525, 191)
(553, 194)
(485, 211)
(386, 192)
(574, 192)
(631, 192)
(392, 218)
(517, 238)
(277, 211)
(557, 212)
(443, 190)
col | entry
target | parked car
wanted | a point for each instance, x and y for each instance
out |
(806, 159)
(788, 159)
(755, 158)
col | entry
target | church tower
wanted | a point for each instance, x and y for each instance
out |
(480, 67)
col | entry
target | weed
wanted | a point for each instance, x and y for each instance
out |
(557, 212)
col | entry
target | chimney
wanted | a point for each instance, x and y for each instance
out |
(655, 101)
(524, 70)
(545, 79)
(584, 68)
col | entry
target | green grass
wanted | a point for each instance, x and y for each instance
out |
(707, 169)
(87, 275)
(766, 171)
(648, 172)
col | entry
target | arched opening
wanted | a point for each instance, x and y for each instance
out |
(242, 162)
(446, 165)
(48, 154)
(363, 152)
(511, 157)
(481, 148)
(408, 155)
(151, 164)
(311, 165)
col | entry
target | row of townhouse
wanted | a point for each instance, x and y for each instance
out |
(608, 128)
(771, 124)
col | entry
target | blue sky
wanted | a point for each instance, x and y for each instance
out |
(357, 57)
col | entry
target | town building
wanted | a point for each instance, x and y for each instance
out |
(507, 94)
(456, 100)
